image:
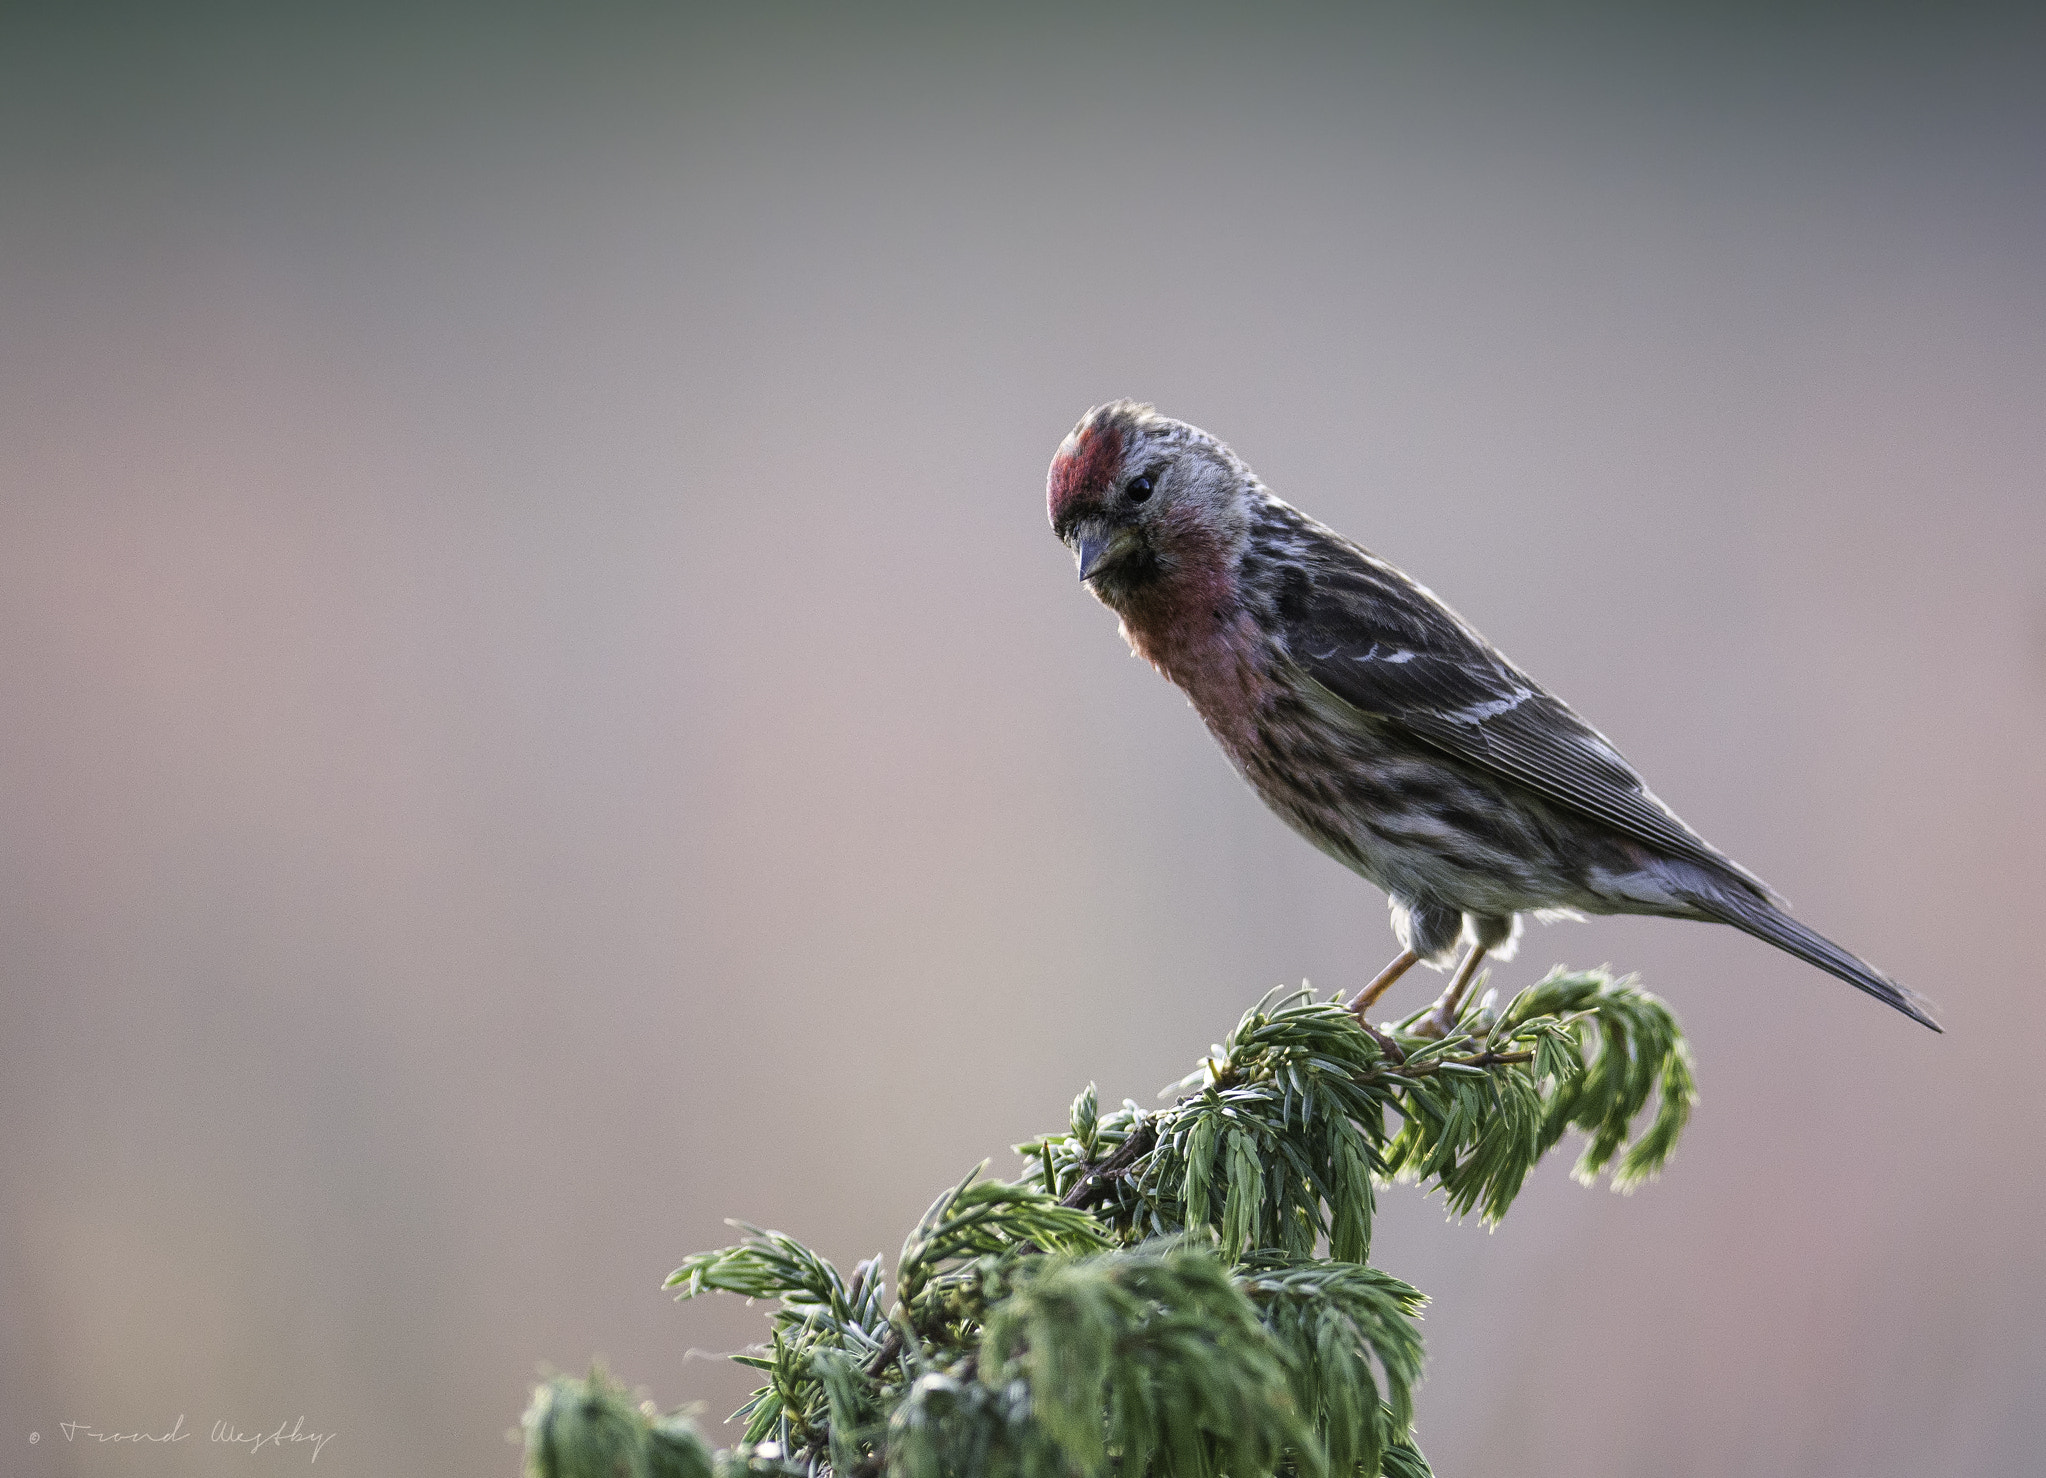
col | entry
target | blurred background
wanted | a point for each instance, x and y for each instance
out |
(538, 709)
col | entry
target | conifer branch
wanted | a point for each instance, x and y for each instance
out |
(1168, 1292)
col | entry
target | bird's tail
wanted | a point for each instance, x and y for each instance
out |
(1765, 921)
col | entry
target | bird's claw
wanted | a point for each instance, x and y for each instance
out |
(1386, 1044)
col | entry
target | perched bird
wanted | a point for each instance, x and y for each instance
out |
(1377, 723)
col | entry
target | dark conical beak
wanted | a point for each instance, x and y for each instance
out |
(1093, 549)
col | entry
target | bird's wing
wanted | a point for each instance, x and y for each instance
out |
(1386, 647)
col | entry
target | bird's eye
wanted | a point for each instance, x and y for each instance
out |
(1139, 488)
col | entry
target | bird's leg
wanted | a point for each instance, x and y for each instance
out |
(1368, 996)
(1438, 1022)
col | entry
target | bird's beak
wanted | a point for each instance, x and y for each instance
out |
(1092, 548)
(1096, 547)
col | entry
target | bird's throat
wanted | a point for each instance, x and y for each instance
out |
(1197, 635)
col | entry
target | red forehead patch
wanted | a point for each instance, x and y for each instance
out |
(1083, 469)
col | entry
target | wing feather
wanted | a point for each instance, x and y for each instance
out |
(1386, 647)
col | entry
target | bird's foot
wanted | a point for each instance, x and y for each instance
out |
(1367, 997)
(1386, 1044)
(1442, 1018)
(1436, 1024)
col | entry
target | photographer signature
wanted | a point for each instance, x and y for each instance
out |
(224, 1432)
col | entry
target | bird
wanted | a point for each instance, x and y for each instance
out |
(1379, 724)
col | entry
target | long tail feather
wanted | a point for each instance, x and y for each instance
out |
(1754, 916)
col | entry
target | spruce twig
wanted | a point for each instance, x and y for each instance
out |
(1090, 1189)
(1181, 1291)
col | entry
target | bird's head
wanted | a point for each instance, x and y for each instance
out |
(1143, 500)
